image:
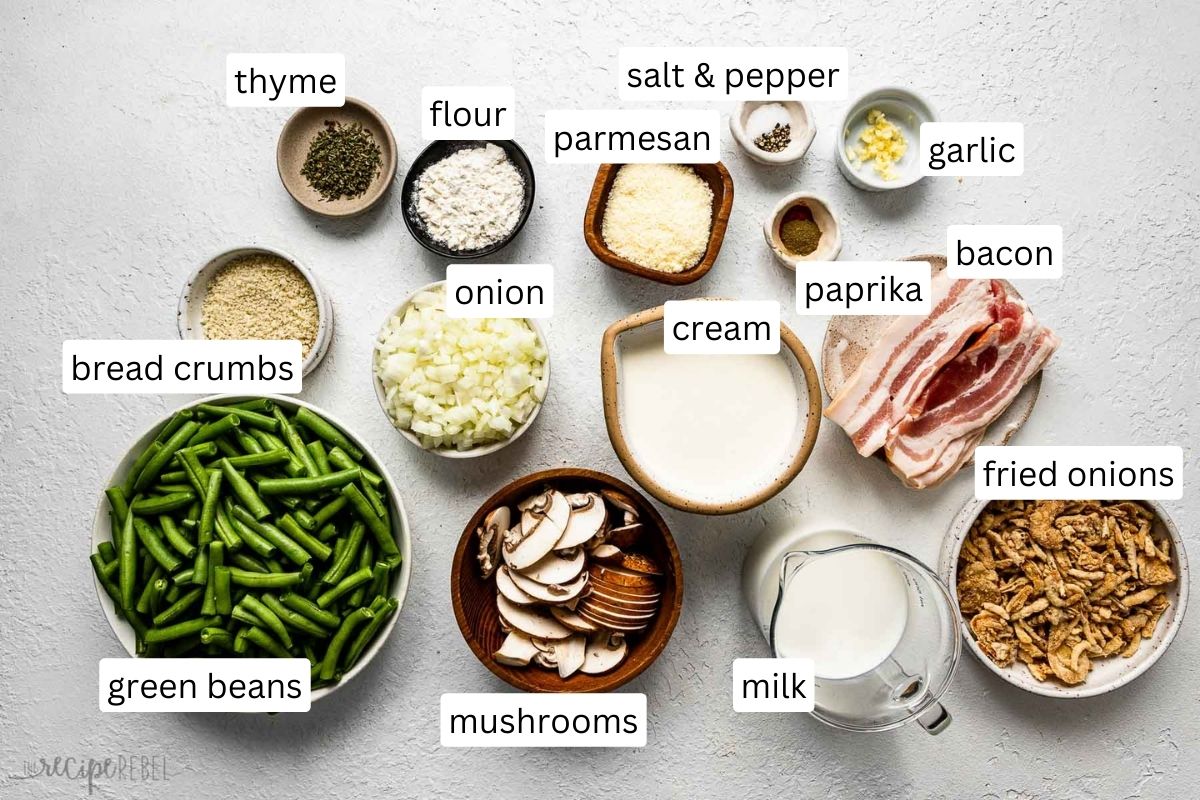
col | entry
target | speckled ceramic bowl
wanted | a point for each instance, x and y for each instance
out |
(803, 124)
(830, 244)
(1107, 674)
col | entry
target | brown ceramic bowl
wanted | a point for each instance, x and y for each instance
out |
(292, 149)
(717, 178)
(474, 598)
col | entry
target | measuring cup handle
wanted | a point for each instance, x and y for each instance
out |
(935, 719)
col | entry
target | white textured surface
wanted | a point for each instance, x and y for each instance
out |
(123, 169)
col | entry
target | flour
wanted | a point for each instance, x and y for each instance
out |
(471, 198)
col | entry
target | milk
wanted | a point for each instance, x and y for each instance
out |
(845, 611)
(715, 427)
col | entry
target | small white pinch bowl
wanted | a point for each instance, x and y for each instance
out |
(190, 314)
(904, 108)
(804, 128)
(447, 452)
(1108, 674)
(823, 214)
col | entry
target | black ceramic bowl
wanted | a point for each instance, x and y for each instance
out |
(435, 152)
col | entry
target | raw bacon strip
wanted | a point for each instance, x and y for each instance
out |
(968, 394)
(957, 453)
(908, 355)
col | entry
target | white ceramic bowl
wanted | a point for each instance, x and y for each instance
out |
(903, 107)
(1107, 674)
(101, 532)
(804, 128)
(190, 314)
(446, 452)
(823, 214)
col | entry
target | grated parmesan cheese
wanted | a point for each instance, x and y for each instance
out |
(658, 216)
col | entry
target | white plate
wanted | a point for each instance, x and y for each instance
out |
(448, 452)
(101, 532)
(190, 314)
(1107, 674)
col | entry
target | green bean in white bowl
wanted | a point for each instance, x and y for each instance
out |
(458, 387)
(253, 526)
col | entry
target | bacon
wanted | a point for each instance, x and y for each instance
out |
(907, 357)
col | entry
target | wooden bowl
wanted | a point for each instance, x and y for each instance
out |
(717, 178)
(474, 598)
(292, 149)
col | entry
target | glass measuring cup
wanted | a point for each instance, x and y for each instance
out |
(908, 631)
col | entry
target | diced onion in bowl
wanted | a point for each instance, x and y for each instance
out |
(458, 383)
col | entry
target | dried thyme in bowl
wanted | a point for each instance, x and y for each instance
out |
(342, 161)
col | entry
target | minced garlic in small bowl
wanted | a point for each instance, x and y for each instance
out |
(880, 138)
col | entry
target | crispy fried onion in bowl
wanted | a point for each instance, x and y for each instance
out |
(1059, 585)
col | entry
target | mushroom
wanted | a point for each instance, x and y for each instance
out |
(556, 567)
(506, 587)
(572, 620)
(622, 577)
(530, 620)
(544, 659)
(584, 522)
(622, 502)
(553, 593)
(525, 546)
(570, 655)
(626, 535)
(490, 535)
(552, 505)
(516, 651)
(607, 553)
(604, 652)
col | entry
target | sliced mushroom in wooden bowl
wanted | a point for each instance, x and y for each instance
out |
(567, 580)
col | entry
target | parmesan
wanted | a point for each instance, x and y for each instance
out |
(658, 216)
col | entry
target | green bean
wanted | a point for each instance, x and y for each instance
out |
(261, 638)
(138, 465)
(381, 532)
(202, 450)
(263, 458)
(270, 441)
(334, 651)
(222, 594)
(183, 577)
(107, 551)
(164, 489)
(155, 465)
(288, 546)
(180, 630)
(327, 533)
(317, 451)
(197, 475)
(329, 510)
(176, 476)
(244, 491)
(177, 419)
(248, 536)
(379, 579)
(241, 645)
(293, 618)
(173, 592)
(127, 558)
(295, 443)
(261, 404)
(176, 539)
(216, 559)
(143, 602)
(150, 506)
(226, 448)
(247, 562)
(153, 543)
(106, 581)
(328, 432)
(154, 600)
(316, 548)
(247, 442)
(376, 501)
(208, 512)
(340, 459)
(302, 605)
(181, 605)
(241, 614)
(224, 530)
(248, 417)
(305, 519)
(218, 636)
(256, 580)
(341, 564)
(344, 586)
(214, 430)
(368, 632)
(200, 566)
(294, 486)
(270, 619)
(117, 502)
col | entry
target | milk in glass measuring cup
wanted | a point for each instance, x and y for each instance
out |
(880, 627)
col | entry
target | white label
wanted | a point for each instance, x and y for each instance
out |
(288, 80)
(543, 720)
(468, 112)
(510, 291)
(175, 366)
(239, 685)
(721, 327)
(773, 684)
(972, 148)
(633, 137)
(1004, 251)
(863, 287)
(733, 73)
(1079, 472)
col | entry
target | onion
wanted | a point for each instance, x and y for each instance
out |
(458, 383)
